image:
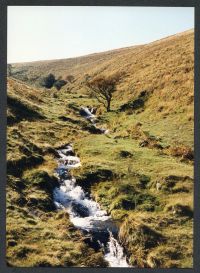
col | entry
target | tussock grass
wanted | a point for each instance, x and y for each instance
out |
(141, 172)
(37, 234)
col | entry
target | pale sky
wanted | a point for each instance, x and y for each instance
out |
(56, 32)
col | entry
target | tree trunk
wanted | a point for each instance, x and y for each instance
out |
(108, 106)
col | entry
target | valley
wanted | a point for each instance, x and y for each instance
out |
(140, 172)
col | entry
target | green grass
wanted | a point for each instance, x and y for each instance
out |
(37, 234)
(131, 192)
(128, 193)
(155, 226)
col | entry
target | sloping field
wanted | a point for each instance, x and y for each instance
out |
(148, 153)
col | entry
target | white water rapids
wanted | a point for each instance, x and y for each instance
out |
(88, 114)
(84, 212)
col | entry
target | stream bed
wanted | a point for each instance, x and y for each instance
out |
(98, 227)
(84, 212)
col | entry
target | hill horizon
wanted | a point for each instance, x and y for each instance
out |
(77, 166)
(102, 52)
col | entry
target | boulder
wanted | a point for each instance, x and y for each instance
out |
(80, 210)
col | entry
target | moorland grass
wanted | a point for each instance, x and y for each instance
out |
(141, 172)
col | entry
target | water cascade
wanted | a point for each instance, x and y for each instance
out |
(84, 212)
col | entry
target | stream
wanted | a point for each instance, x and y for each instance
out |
(86, 214)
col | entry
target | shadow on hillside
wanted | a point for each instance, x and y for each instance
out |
(21, 111)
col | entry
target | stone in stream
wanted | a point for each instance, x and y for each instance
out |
(62, 171)
(85, 213)
(82, 112)
(65, 175)
(97, 240)
(85, 112)
(80, 210)
(71, 153)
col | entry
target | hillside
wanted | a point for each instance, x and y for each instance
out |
(150, 143)
(163, 68)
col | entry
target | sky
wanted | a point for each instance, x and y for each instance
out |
(56, 32)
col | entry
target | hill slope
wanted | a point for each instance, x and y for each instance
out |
(163, 68)
(38, 234)
(148, 145)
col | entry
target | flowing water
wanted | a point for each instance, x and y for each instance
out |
(87, 114)
(84, 212)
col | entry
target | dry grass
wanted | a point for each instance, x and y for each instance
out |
(164, 69)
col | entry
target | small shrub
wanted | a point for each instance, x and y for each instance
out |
(59, 84)
(48, 81)
(23, 250)
(127, 188)
(146, 202)
(11, 243)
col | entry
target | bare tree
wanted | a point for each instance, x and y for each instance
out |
(102, 88)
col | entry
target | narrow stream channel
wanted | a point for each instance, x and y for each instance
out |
(84, 212)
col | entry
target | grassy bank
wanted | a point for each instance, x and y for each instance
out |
(38, 234)
(141, 172)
